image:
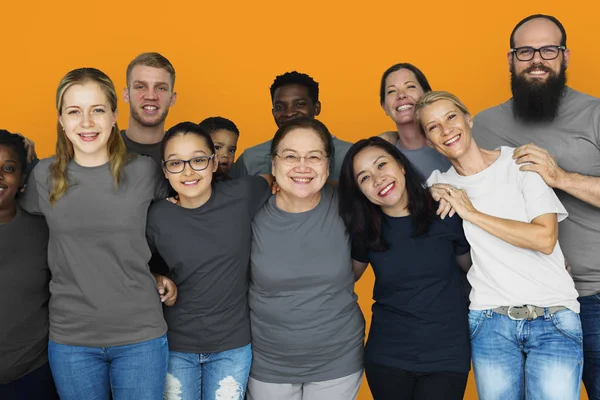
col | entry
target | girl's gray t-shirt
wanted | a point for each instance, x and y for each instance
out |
(207, 250)
(102, 291)
(305, 320)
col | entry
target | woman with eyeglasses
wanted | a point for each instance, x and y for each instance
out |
(204, 236)
(307, 327)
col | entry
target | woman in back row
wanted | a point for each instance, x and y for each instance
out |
(402, 86)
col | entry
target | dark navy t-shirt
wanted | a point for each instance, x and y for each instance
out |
(420, 317)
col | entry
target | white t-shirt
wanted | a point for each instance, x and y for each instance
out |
(503, 274)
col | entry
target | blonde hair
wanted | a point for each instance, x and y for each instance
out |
(117, 152)
(154, 60)
(432, 97)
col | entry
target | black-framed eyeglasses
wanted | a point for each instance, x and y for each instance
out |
(197, 164)
(292, 159)
(526, 53)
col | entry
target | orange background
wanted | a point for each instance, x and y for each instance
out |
(227, 53)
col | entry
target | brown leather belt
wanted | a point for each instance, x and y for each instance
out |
(527, 311)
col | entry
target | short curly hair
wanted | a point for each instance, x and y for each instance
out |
(296, 78)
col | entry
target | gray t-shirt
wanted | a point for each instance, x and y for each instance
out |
(154, 150)
(306, 322)
(426, 160)
(24, 296)
(208, 252)
(573, 139)
(256, 160)
(103, 293)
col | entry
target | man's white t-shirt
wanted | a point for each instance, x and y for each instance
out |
(503, 274)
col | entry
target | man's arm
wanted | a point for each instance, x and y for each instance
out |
(585, 188)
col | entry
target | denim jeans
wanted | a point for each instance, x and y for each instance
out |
(540, 359)
(590, 320)
(129, 372)
(208, 376)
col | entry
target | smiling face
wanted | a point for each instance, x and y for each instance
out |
(11, 178)
(87, 119)
(291, 102)
(306, 178)
(149, 95)
(225, 146)
(381, 179)
(193, 187)
(537, 33)
(447, 128)
(402, 92)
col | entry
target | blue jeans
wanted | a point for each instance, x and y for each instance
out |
(208, 376)
(540, 359)
(590, 320)
(129, 372)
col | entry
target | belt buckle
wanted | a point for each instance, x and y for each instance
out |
(518, 313)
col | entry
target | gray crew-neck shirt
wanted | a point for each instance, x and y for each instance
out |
(256, 160)
(24, 296)
(208, 251)
(154, 150)
(573, 139)
(305, 319)
(102, 291)
(426, 160)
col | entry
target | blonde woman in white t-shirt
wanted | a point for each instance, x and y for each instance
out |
(524, 316)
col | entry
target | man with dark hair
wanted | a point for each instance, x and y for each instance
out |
(293, 95)
(150, 94)
(558, 129)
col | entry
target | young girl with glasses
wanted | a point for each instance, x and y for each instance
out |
(204, 236)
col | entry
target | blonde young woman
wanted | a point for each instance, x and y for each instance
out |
(107, 332)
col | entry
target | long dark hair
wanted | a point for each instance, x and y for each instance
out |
(362, 218)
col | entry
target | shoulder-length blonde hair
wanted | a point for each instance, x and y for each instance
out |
(117, 152)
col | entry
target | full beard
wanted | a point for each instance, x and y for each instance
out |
(535, 101)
